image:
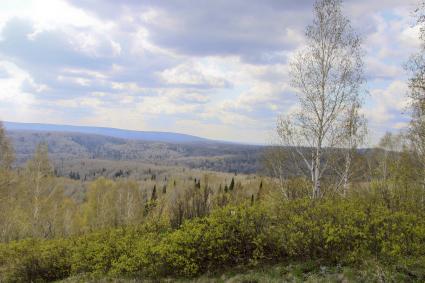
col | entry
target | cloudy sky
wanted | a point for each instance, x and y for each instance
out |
(215, 69)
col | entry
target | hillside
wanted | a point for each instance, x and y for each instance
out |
(111, 132)
(69, 148)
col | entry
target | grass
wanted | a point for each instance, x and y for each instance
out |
(370, 271)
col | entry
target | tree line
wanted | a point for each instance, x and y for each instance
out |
(36, 203)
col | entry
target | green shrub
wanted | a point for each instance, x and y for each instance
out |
(230, 236)
(138, 255)
(395, 235)
(336, 231)
(346, 230)
(126, 250)
(35, 260)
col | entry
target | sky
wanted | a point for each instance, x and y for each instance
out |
(216, 69)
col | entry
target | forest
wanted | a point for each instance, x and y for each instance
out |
(78, 147)
(317, 206)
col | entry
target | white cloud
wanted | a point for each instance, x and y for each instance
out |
(378, 69)
(161, 105)
(393, 97)
(12, 82)
(385, 109)
(194, 73)
(224, 76)
(50, 14)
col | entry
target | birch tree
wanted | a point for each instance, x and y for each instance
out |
(354, 133)
(8, 220)
(42, 189)
(7, 157)
(327, 74)
(6, 150)
(416, 66)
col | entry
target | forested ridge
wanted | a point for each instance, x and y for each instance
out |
(66, 149)
(322, 208)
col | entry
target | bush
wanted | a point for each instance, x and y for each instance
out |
(231, 236)
(35, 260)
(335, 231)
(346, 231)
(127, 250)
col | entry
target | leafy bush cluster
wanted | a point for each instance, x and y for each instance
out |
(335, 231)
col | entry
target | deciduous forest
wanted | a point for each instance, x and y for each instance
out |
(319, 205)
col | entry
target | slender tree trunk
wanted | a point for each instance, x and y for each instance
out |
(423, 178)
(129, 206)
(316, 173)
(36, 203)
(346, 173)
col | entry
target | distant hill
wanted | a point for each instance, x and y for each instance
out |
(110, 132)
(105, 153)
(68, 149)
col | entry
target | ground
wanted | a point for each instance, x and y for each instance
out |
(305, 272)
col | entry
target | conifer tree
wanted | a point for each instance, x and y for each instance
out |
(154, 195)
(261, 192)
(232, 185)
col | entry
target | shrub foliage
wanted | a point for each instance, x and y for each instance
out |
(342, 231)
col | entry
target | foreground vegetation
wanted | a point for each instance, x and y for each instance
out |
(384, 226)
(370, 271)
